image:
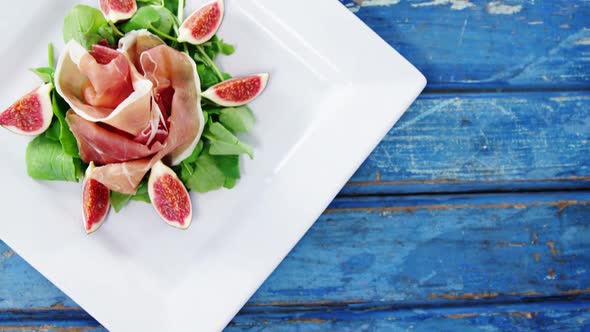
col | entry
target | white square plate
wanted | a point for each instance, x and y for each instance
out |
(336, 89)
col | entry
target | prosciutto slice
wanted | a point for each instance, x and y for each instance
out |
(102, 86)
(126, 131)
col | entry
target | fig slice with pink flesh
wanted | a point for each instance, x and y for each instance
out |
(31, 115)
(170, 197)
(237, 91)
(202, 24)
(95, 201)
(117, 10)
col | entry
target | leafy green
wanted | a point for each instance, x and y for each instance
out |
(119, 200)
(204, 172)
(172, 5)
(154, 18)
(196, 152)
(53, 131)
(66, 137)
(215, 46)
(141, 3)
(207, 76)
(83, 24)
(44, 73)
(206, 176)
(107, 33)
(211, 172)
(238, 120)
(230, 183)
(46, 160)
(229, 166)
(223, 142)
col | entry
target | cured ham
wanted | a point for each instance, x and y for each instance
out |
(80, 76)
(131, 107)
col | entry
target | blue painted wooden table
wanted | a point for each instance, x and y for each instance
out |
(473, 213)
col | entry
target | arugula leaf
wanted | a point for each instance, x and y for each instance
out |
(141, 3)
(53, 131)
(66, 137)
(206, 176)
(82, 23)
(155, 18)
(229, 166)
(44, 73)
(230, 183)
(119, 200)
(207, 76)
(223, 142)
(238, 120)
(46, 160)
(142, 192)
(172, 5)
(107, 33)
(210, 172)
(226, 49)
(215, 46)
(196, 152)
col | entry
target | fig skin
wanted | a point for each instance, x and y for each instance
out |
(95, 202)
(237, 91)
(125, 11)
(200, 26)
(30, 115)
(169, 196)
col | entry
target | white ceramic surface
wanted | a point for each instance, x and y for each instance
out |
(336, 88)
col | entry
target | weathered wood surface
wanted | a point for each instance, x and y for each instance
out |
(490, 44)
(483, 142)
(552, 316)
(397, 253)
(456, 256)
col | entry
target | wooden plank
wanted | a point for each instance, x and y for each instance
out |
(516, 44)
(483, 142)
(546, 316)
(552, 316)
(414, 251)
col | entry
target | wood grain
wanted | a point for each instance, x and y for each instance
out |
(486, 44)
(549, 316)
(483, 142)
(403, 252)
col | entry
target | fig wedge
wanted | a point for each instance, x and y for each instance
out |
(237, 91)
(95, 201)
(169, 196)
(117, 10)
(202, 24)
(31, 115)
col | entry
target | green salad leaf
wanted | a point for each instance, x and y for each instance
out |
(119, 200)
(207, 76)
(210, 172)
(154, 18)
(238, 120)
(44, 73)
(83, 24)
(172, 5)
(53, 131)
(215, 46)
(224, 142)
(66, 137)
(46, 160)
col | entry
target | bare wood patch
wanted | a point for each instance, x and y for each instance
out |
(551, 246)
(459, 316)
(464, 296)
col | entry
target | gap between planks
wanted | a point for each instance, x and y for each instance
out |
(327, 311)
